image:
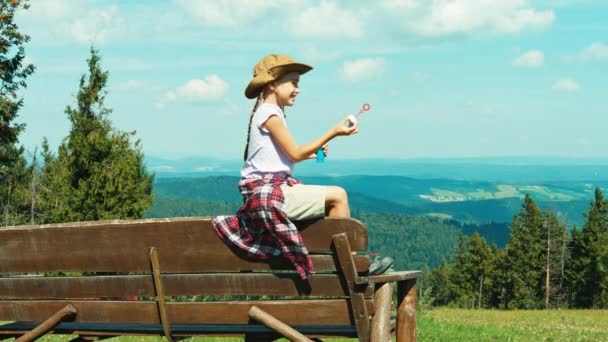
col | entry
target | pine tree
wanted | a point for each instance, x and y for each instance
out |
(495, 278)
(13, 73)
(98, 173)
(469, 273)
(555, 237)
(442, 289)
(480, 259)
(525, 259)
(462, 274)
(576, 264)
(592, 269)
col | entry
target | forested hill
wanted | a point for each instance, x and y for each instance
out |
(478, 202)
(414, 240)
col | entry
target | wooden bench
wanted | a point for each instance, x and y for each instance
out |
(166, 262)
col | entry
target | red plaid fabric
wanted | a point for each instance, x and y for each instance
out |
(261, 228)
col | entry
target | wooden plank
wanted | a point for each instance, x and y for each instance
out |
(389, 277)
(187, 245)
(160, 294)
(359, 309)
(115, 329)
(292, 312)
(209, 284)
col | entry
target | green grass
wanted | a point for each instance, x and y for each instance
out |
(480, 325)
(530, 325)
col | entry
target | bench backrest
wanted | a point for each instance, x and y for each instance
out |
(193, 261)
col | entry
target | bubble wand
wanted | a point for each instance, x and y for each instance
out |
(351, 121)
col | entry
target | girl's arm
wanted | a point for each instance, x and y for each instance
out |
(295, 152)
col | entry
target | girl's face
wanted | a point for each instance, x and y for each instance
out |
(286, 89)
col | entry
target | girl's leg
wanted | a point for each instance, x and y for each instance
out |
(336, 202)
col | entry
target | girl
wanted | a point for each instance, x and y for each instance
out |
(272, 197)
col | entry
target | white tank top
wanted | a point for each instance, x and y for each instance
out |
(264, 155)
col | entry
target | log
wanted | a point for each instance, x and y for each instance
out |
(276, 325)
(406, 312)
(48, 324)
(380, 331)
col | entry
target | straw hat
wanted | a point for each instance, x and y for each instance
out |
(270, 68)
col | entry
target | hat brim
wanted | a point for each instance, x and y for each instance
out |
(255, 86)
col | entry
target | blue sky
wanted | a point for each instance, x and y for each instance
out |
(459, 78)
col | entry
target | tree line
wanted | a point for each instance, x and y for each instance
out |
(543, 264)
(97, 172)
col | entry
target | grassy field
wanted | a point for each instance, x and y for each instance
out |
(535, 325)
(482, 325)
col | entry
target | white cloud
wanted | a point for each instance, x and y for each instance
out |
(400, 4)
(326, 21)
(447, 17)
(566, 84)
(205, 168)
(226, 13)
(530, 59)
(97, 25)
(54, 9)
(595, 51)
(132, 85)
(362, 69)
(163, 168)
(210, 89)
(60, 19)
(314, 54)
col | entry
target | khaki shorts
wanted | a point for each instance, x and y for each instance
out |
(304, 201)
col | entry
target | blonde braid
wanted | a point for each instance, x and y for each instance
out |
(259, 100)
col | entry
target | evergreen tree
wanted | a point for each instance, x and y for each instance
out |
(556, 238)
(442, 290)
(576, 264)
(13, 73)
(98, 173)
(592, 268)
(525, 259)
(495, 278)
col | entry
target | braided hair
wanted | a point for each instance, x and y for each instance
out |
(259, 100)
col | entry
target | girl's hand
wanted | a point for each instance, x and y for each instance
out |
(314, 155)
(343, 129)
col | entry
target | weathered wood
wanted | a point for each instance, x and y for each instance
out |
(48, 324)
(389, 277)
(359, 310)
(121, 246)
(406, 311)
(276, 325)
(160, 294)
(211, 284)
(380, 330)
(85, 338)
(194, 262)
(103, 330)
(292, 312)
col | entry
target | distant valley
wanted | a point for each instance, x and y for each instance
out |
(414, 209)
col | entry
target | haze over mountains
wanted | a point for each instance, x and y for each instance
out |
(474, 190)
(506, 169)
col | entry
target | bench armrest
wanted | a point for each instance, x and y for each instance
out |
(389, 277)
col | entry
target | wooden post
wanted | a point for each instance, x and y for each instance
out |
(47, 325)
(406, 310)
(380, 331)
(160, 294)
(357, 300)
(276, 325)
